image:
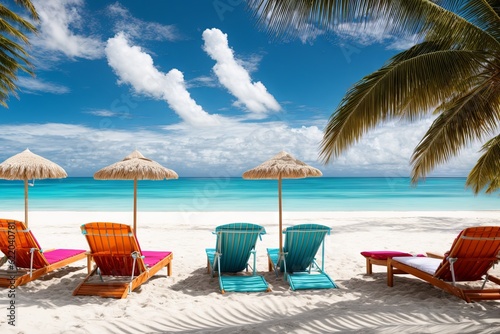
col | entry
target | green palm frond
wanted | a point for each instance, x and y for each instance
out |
(404, 88)
(480, 13)
(486, 172)
(28, 5)
(420, 18)
(466, 119)
(13, 40)
(14, 25)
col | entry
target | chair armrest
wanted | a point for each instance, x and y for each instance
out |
(435, 255)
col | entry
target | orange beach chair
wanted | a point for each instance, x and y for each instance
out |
(121, 265)
(472, 254)
(24, 258)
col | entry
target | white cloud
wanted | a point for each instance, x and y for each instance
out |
(82, 150)
(135, 67)
(307, 33)
(232, 75)
(108, 113)
(58, 19)
(373, 32)
(384, 151)
(136, 28)
(209, 151)
(204, 81)
(33, 85)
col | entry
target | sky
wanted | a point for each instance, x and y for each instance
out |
(201, 88)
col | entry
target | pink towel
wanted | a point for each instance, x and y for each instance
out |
(57, 255)
(153, 257)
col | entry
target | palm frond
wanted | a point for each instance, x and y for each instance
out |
(14, 25)
(464, 120)
(14, 30)
(479, 13)
(407, 88)
(28, 5)
(424, 19)
(486, 172)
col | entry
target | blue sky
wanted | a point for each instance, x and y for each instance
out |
(205, 92)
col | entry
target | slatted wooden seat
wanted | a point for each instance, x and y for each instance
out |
(120, 264)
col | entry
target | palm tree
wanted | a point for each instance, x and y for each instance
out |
(13, 56)
(452, 71)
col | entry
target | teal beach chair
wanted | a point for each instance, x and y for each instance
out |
(302, 243)
(235, 245)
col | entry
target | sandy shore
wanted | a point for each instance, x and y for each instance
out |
(190, 301)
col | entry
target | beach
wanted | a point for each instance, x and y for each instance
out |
(190, 301)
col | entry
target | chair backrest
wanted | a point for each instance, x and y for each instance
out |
(235, 241)
(112, 246)
(302, 243)
(17, 243)
(474, 251)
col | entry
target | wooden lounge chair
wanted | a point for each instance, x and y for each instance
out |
(298, 261)
(24, 258)
(472, 254)
(120, 264)
(234, 245)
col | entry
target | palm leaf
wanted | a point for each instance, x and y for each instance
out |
(406, 88)
(424, 19)
(13, 39)
(466, 119)
(486, 172)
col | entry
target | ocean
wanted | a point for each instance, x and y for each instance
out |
(237, 194)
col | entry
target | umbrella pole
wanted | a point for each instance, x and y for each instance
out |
(135, 207)
(280, 215)
(26, 202)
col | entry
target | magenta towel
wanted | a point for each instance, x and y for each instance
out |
(153, 257)
(57, 255)
(383, 255)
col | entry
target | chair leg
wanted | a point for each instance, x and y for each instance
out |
(390, 274)
(169, 269)
(368, 266)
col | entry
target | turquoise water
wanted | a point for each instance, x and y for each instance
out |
(236, 194)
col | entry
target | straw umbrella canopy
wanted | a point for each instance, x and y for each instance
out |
(27, 165)
(135, 167)
(281, 166)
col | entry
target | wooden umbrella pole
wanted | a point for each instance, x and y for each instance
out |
(280, 215)
(26, 202)
(135, 206)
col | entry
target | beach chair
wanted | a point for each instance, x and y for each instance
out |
(472, 254)
(298, 263)
(24, 259)
(234, 246)
(120, 264)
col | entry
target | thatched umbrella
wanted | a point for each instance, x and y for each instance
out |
(135, 167)
(27, 165)
(281, 166)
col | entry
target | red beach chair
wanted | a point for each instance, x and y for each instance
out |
(472, 254)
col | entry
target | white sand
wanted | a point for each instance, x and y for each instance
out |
(190, 301)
